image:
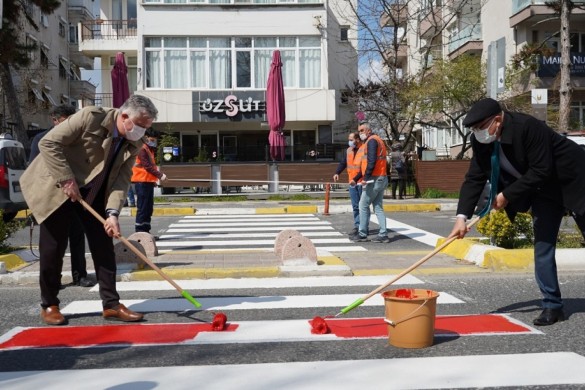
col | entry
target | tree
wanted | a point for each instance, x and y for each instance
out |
(14, 54)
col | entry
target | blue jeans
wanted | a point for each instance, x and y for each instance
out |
(547, 216)
(355, 194)
(145, 206)
(373, 194)
(130, 196)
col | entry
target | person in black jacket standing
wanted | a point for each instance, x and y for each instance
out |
(539, 170)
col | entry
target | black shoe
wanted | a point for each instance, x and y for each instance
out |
(85, 282)
(381, 239)
(358, 238)
(354, 232)
(549, 317)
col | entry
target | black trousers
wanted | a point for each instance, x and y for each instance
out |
(77, 248)
(54, 232)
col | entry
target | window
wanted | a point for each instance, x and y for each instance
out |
(230, 63)
(64, 70)
(61, 29)
(31, 44)
(44, 56)
(34, 95)
(49, 102)
(44, 20)
(344, 97)
(73, 33)
(344, 32)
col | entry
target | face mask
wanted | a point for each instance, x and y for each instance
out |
(135, 133)
(351, 144)
(483, 136)
(152, 144)
(363, 136)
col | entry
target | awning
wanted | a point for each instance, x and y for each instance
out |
(49, 97)
(37, 94)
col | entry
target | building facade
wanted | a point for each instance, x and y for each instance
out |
(205, 65)
(496, 31)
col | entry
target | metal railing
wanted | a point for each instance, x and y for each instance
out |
(108, 29)
(519, 5)
(469, 33)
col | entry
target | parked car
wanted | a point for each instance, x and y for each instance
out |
(578, 137)
(12, 165)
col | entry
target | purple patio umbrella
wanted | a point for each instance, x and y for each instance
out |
(275, 108)
(120, 89)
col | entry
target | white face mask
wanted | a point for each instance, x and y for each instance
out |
(351, 144)
(363, 136)
(135, 133)
(483, 136)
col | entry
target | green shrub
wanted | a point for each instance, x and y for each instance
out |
(433, 193)
(504, 233)
(7, 229)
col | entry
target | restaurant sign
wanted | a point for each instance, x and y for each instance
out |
(549, 66)
(228, 106)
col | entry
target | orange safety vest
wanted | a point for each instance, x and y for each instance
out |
(381, 163)
(141, 175)
(353, 163)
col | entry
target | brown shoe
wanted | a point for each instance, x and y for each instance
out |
(52, 316)
(122, 313)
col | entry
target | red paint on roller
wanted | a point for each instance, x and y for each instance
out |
(319, 326)
(218, 323)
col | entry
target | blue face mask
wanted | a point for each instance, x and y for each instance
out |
(351, 144)
(152, 144)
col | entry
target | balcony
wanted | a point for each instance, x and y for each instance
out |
(468, 40)
(82, 89)
(103, 100)
(102, 37)
(537, 10)
(397, 17)
(401, 55)
(430, 24)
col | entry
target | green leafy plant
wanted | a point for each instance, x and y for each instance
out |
(504, 233)
(7, 229)
(433, 193)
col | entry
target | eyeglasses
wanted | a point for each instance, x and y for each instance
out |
(483, 125)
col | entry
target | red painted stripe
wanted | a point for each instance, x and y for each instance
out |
(84, 336)
(444, 326)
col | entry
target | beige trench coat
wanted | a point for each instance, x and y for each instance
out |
(76, 148)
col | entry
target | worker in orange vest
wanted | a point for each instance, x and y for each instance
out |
(145, 175)
(352, 161)
(375, 181)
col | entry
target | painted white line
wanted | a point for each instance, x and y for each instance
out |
(242, 235)
(441, 372)
(226, 243)
(245, 229)
(241, 303)
(265, 249)
(244, 224)
(280, 220)
(409, 231)
(258, 283)
(255, 216)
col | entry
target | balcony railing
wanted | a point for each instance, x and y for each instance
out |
(103, 100)
(108, 29)
(519, 5)
(469, 33)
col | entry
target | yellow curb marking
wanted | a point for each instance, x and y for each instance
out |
(301, 209)
(412, 207)
(271, 210)
(421, 271)
(330, 260)
(12, 261)
(509, 259)
(170, 211)
(208, 273)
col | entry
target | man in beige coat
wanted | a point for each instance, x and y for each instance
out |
(89, 156)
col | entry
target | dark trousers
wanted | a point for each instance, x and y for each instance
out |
(401, 184)
(77, 248)
(547, 216)
(144, 205)
(54, 233)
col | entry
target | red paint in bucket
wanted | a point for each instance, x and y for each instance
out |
(219, 321)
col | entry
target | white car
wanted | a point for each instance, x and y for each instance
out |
(577, 137)
(12, 165)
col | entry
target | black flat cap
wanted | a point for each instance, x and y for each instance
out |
(481, 110)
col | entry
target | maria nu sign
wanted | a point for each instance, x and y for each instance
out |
(549, 66)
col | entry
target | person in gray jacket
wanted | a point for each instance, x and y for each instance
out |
(88, 156)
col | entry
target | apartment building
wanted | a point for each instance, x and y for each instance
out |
(205, 65)
(54, 75)
(496, 30)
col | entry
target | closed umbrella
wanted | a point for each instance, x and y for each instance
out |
(120, 89)
(275, 108)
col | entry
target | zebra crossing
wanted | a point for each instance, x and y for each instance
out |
(250, 232)
(279, 317)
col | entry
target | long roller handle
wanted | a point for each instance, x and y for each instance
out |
(129, 245)
(359, 301)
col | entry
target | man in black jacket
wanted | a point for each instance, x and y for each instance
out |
(539, 170)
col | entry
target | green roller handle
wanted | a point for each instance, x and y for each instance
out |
(348, 308)
(188, 297)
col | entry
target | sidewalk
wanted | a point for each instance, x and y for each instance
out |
(462, 256)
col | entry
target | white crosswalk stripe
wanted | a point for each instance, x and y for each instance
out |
(252, 232)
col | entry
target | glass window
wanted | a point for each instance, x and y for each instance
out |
(175, 42)
(309, 42)
(265, 42)
(289, 68)
(219, 42)
(262, 60)
(243, 42)
(310, 68)
(243, 70)
(153, 69)
(198, 70)
(197, 42)
(287, 42)
(176, 69)
(220, 69)
(152, 42)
